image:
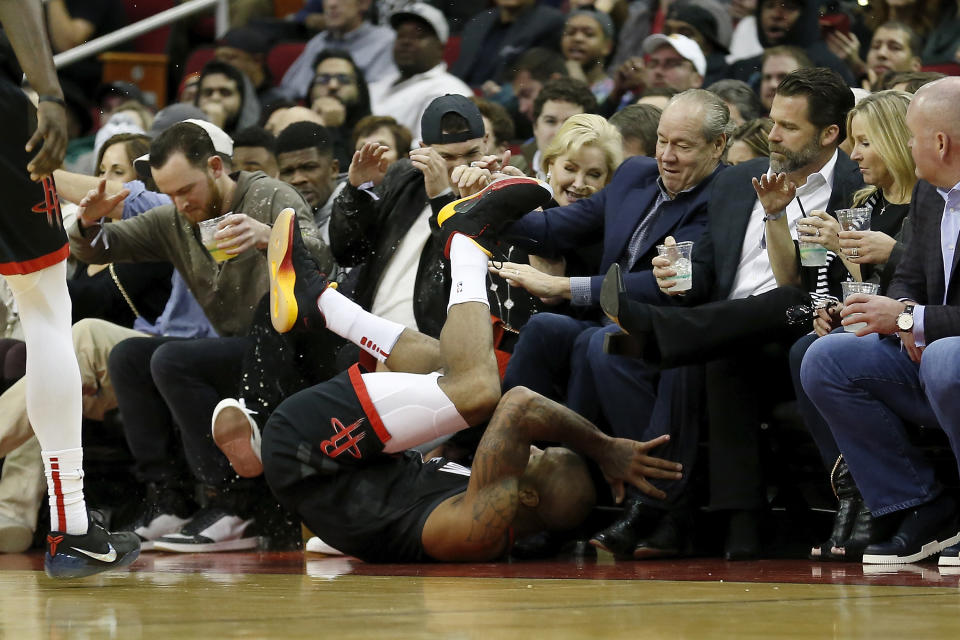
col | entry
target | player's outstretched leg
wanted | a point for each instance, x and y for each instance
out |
(484, 216)
(295, 281)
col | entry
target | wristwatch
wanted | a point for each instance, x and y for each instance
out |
(905, 319)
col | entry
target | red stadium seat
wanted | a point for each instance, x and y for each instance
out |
(154, 41)
(949, 68)
(281, 56)
(198, 57)
(451, 51)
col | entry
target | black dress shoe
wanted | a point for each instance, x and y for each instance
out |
(670, 538)
(923, 532)
(622, 343)
(631, 316)
(548, 544)
(850, 504)
(611, 292)
(743, 536)
(621, 537)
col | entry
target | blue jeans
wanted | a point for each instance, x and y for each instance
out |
(868, 390)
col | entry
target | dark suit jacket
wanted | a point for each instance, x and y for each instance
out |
(611, 215)
(919, 275)
(539, 26)
(717, 255)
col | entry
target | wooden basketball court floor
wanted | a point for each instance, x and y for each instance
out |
(297, 595)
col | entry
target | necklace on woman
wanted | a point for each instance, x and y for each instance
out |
(883, 202)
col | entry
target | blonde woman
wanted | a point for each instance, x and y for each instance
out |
(582, 157)
(877, 127)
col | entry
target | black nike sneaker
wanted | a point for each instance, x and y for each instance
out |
(73, 556)
(612, 291)
(484, 216)
(295, 281)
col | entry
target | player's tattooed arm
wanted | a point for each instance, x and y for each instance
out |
(529, 417)
(476, 525)
(492, 495)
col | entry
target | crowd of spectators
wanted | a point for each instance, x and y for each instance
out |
(741, 126)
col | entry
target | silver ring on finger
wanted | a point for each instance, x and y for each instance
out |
(854, 252)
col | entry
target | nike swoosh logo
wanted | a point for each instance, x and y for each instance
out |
(102, 557)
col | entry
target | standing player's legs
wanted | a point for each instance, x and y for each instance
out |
(53, 391)
(32, 254)
(54, 407)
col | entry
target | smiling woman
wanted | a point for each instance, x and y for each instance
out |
(582, 157)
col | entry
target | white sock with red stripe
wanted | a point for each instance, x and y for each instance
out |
(468, 272)
(54, 389)
(68, 510)
(347, 319)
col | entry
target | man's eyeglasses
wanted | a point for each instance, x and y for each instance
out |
(225, 92)
(325, 78)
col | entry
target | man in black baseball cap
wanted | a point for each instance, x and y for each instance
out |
(381, 219)
(453, 134)
(469, 124)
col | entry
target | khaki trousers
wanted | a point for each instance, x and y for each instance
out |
(22, 483)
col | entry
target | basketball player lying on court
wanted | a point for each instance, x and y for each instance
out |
(336, 453)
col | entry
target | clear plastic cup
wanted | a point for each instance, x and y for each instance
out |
(855, 219)
(207, 229)
(813, 254)
(679, 257)
(850, 288)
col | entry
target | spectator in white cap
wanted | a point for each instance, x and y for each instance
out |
(673, 61)
(346, 29)
(421, 74)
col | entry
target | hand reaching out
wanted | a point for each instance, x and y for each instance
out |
(368, 164)
(627, 461)
(775, 192)
(97, 204)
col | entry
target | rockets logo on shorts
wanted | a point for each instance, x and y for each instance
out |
(50, 204)
(344, 440)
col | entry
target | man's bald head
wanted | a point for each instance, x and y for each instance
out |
(934, 121)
